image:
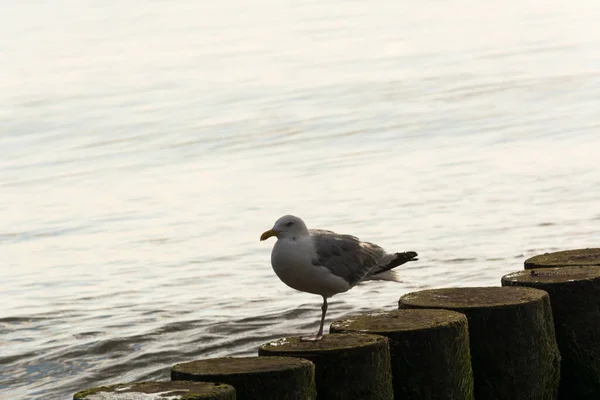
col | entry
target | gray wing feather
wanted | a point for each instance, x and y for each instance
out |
(344, 255)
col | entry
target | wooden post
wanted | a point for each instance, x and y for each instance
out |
(347, 366)
(511, 331)
(569, 258)
(575, 297)
(429, 351)
(160, 390)
(265, 378)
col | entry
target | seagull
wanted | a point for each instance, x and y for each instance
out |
(323, 262)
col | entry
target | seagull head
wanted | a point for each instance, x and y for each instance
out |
(286, 227)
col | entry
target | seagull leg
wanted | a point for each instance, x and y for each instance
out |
(323, 312)
(319, 334)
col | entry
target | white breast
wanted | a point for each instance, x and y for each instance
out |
(292, 262)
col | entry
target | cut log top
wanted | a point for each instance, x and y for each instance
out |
(398, 320)
(240, 365)
(329, 344)
(254, 377)
(471, 297)
(161, 390)
(548, 276)
(582, 257)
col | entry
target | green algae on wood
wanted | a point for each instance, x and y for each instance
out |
(276, 378)
(568, 258)
(347, 366)
(429, 349)
(511, 332)
(574, 295)
(181, 390)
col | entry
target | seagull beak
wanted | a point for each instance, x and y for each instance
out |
(268, 234)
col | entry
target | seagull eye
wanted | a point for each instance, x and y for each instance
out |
(289, 224)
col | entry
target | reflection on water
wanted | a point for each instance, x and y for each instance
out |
(146, 146)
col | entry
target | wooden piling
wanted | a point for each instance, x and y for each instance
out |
(429, 350)
(568, 258)
(347, 366)
(575, 298)
(265, 378)
(511, 331)
(168, 389)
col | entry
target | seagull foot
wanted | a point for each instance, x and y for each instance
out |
(311, 338)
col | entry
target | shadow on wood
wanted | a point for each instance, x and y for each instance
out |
(511, 331)
(575, 297)
(429, 351)
(347, 366)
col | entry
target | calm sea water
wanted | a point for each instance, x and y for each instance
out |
(145, 145)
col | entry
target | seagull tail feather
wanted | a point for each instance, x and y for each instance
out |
(388, 275)
(384, 271)
(399, 259)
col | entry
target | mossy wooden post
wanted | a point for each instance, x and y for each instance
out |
(511, 332)
(429, 351)
(575, 297)
(159, 390)
(273, 378)
(568, 258)
(347, 366)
